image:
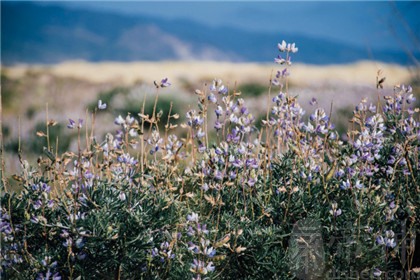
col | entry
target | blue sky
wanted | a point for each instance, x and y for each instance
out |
(382, 24)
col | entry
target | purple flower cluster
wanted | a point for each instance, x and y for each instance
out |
(288, 49)
(41, 200)
(319, 123)
(287, 116)
(395, 104)
(387, 241)
(9, 247)
(366, 148)
(226, 161)
(126, 159)
(201, 268)
(163, 253)
(72, 124)
(199, 246)
(155, 141)
(128, 133)
(48, 266)
(75, 243)
(398, 108)
(194, 119)
(127, 124)
(236, 114)
(172, 148)
(370, 141)
(335, 211)
(218, 87)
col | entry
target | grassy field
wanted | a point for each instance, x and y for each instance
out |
(127, 73)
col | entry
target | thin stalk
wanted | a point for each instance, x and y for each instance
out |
(93, 124)
(217, 223)
(191, 140)
(267, 128)
(287, 77)
(50, 173)
(56, 182)
(142, 153)
(287, 207)
(80, 171)
(168, 124)
(201, 196)
(20, 141)
(2, 163)
(154, 111)
(269, 94)
(87, 131)
(48, 130)
(205, 113)
(118, 272)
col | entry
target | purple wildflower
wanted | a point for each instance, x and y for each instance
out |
(359, 185)
(101, 106)
(411, 98)
(390, 243)
(251, 182)
(218, 125)
(164, 83)
(202, 228)
(313, 101)
(37, 204)
(279, 60)
(193, 217)
(210, 252)
(222, 90)
(282, 47)
(335, 211)
(71, 124)
(380, 240)
(212, 98)
(218, 111)
(345, 185)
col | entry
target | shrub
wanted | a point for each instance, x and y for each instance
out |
(287, 201)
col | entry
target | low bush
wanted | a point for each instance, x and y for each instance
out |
(285, 200)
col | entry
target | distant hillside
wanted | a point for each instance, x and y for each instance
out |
(49, 34)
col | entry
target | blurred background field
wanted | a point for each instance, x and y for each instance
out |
(60, 58)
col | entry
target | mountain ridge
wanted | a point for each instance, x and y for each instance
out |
(50, 34)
